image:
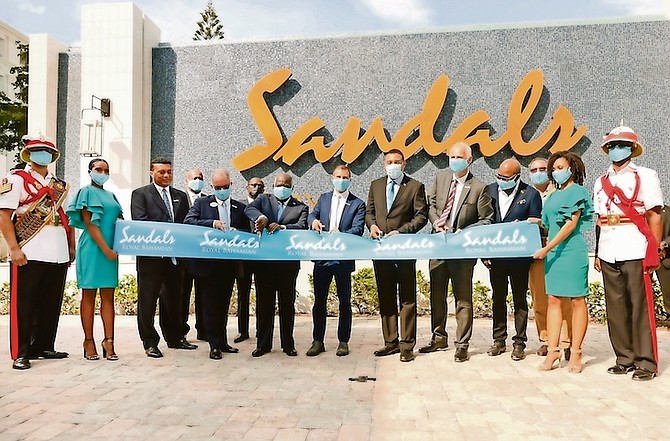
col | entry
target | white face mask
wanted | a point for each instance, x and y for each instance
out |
(394, 171)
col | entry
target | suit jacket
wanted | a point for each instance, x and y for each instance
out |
(146, 204)
(294, 216)
(352, 220)
(203, 214)
(472, 208)
(409, 212)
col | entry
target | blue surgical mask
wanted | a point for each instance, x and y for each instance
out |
(506, 185)
(394, 171)
(41, 157)
(457, 165)
(539, 178)
(282, 193)
(196, 185)
(341, 185)
(222, 194)
(98, 178)
(561, 176)
(618, 153)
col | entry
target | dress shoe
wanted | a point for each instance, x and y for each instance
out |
(434, 346)
(406, 355)
(229, 349)
(259, 352)
(543, 350)
(49, 355)
(342, 349)
(182, 344)
(496, 349)
(215, 354)
(153, 352)
(316, 348)
(461, 355)
(240, 338)
(620, 369)
(21, 363)
(291, 352)
(518, 353)
(387, 350)
(642, 374)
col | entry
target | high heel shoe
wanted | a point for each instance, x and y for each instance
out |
(575, 365)
(108, 349)
(553, 355)
(89, 344)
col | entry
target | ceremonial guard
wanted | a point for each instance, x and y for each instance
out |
(41, 245)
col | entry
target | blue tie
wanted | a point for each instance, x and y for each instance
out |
(168, 204)
(280, 210)
(223, 215)
(390, 195)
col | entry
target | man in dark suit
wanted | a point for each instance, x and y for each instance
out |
(456, 201)
(278, 211)
(336, 211)
(255, 187)
(217, 276)
(513, 200)
(159, 202)
(396, 204)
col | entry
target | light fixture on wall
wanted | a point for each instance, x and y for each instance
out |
(92, 122)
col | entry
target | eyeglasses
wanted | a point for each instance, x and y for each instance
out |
(506, 178)
(537, 169)
(256, 185)
(220, 187)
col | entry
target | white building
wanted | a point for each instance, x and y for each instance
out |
(9, 56)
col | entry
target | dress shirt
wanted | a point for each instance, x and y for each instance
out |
(505, 200)
(169, 195)
(337, 204)
(460, 183)
(224, 211)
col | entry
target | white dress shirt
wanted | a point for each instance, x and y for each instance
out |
(337, 204)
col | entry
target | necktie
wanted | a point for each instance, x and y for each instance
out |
(444, 217)
(223, 215)
(168, 204)
(390, 195)
(280, 210)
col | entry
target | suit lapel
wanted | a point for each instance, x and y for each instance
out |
(327, 201)
(520, 194)
(158, 199)
(464, 195)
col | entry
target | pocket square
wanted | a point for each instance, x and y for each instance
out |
(522, 202)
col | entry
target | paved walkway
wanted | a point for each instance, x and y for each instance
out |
(187, 396)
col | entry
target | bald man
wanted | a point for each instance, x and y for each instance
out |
(512, 200)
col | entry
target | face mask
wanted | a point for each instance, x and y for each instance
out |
(282, 193)
(394, 171)
(561, 176)
(506, 185)
(223, 194)
(41, 157)
(98, 178)
(539, 178)
(341, 185)
(196, 185)
(457, 165)
(618, 153)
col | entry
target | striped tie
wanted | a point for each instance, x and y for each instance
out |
(444, 217)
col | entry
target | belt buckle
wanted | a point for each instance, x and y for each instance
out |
(613, 219)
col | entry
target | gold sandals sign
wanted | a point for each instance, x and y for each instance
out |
(561, 133)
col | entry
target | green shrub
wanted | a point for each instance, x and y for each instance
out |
(364, 292)
(482, 302)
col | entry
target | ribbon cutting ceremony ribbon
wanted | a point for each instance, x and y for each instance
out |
(162, 239)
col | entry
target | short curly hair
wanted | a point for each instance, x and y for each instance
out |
(576, 166)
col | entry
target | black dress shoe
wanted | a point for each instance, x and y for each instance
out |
(316, 348)
(434, 346)
(153, 352)
(406, 355)
(240, 338)
(182, 344)
(387, 350)
(518, 353)
(49, 355)
(342, 349)
(619, 369)
(496, 349)
(543, 351)
(291, 352)
(461, 355)
(259, 352)
(21, 363)
(229, 349)
(642, 374)
(215, 354)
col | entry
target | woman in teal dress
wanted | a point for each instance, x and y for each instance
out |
(95, 211)
(567, 213)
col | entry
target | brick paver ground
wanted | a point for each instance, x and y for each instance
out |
(187, 396)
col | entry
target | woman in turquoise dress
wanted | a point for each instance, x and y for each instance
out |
(95, 211)
(567, 213)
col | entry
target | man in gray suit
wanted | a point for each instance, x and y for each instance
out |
(457, 200)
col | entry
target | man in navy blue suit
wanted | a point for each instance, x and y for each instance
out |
(217, 276)
(337, 211)
(276, 278)
(512, 200)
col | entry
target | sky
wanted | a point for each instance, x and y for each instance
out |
(269, 19)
